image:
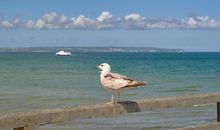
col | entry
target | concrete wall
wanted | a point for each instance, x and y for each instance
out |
(50, 116)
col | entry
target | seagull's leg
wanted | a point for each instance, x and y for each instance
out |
(112, 101)
(118, 96)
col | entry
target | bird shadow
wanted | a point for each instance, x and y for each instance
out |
(130, 106)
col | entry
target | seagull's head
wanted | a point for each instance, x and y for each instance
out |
(104, 67)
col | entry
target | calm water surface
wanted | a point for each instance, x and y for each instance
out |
(31, 81)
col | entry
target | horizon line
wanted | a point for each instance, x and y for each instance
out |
(106, 47)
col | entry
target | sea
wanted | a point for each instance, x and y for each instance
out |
(40, 80)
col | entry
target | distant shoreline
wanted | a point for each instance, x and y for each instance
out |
(90, 49)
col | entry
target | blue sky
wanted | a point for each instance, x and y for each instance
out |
(192, 25)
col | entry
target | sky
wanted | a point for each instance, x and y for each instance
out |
(192, 25)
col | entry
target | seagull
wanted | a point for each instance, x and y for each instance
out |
(116, 83)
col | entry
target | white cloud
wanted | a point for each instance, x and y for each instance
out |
(30, 24)
(53, 17)
(105, 16)
(6, 24)
(83, 22)
(50, 17)
(213, 23)
(50, 20)
(105, 20)
(134, 21)
(16, 20)
(10, 24)
(161, 25)
(203, 18)
(191, 23)
(134, 17)
(63, 19)
(201, 22)
(40, 24)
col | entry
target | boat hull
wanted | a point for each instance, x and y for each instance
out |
(63, 53)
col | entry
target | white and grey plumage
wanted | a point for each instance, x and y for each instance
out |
(114, 82)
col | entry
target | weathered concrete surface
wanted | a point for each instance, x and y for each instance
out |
(23, 119)
(15, 120)
(211, 126)
(218, 111)
(32, 127)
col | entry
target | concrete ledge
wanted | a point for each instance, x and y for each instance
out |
(211, 126)
(50, 116)
(16, 120)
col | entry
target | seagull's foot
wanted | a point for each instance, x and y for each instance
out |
(111, 103)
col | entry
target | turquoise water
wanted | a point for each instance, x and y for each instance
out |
(41, 80)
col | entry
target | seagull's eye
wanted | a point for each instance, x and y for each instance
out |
(102, 65)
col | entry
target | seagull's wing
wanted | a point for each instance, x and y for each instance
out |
(116, 75)
(118, 81)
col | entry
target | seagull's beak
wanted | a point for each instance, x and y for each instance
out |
(97, 67)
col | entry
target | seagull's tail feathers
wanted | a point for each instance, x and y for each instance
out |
(135, 85)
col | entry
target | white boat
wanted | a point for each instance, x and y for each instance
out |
(63, 53)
